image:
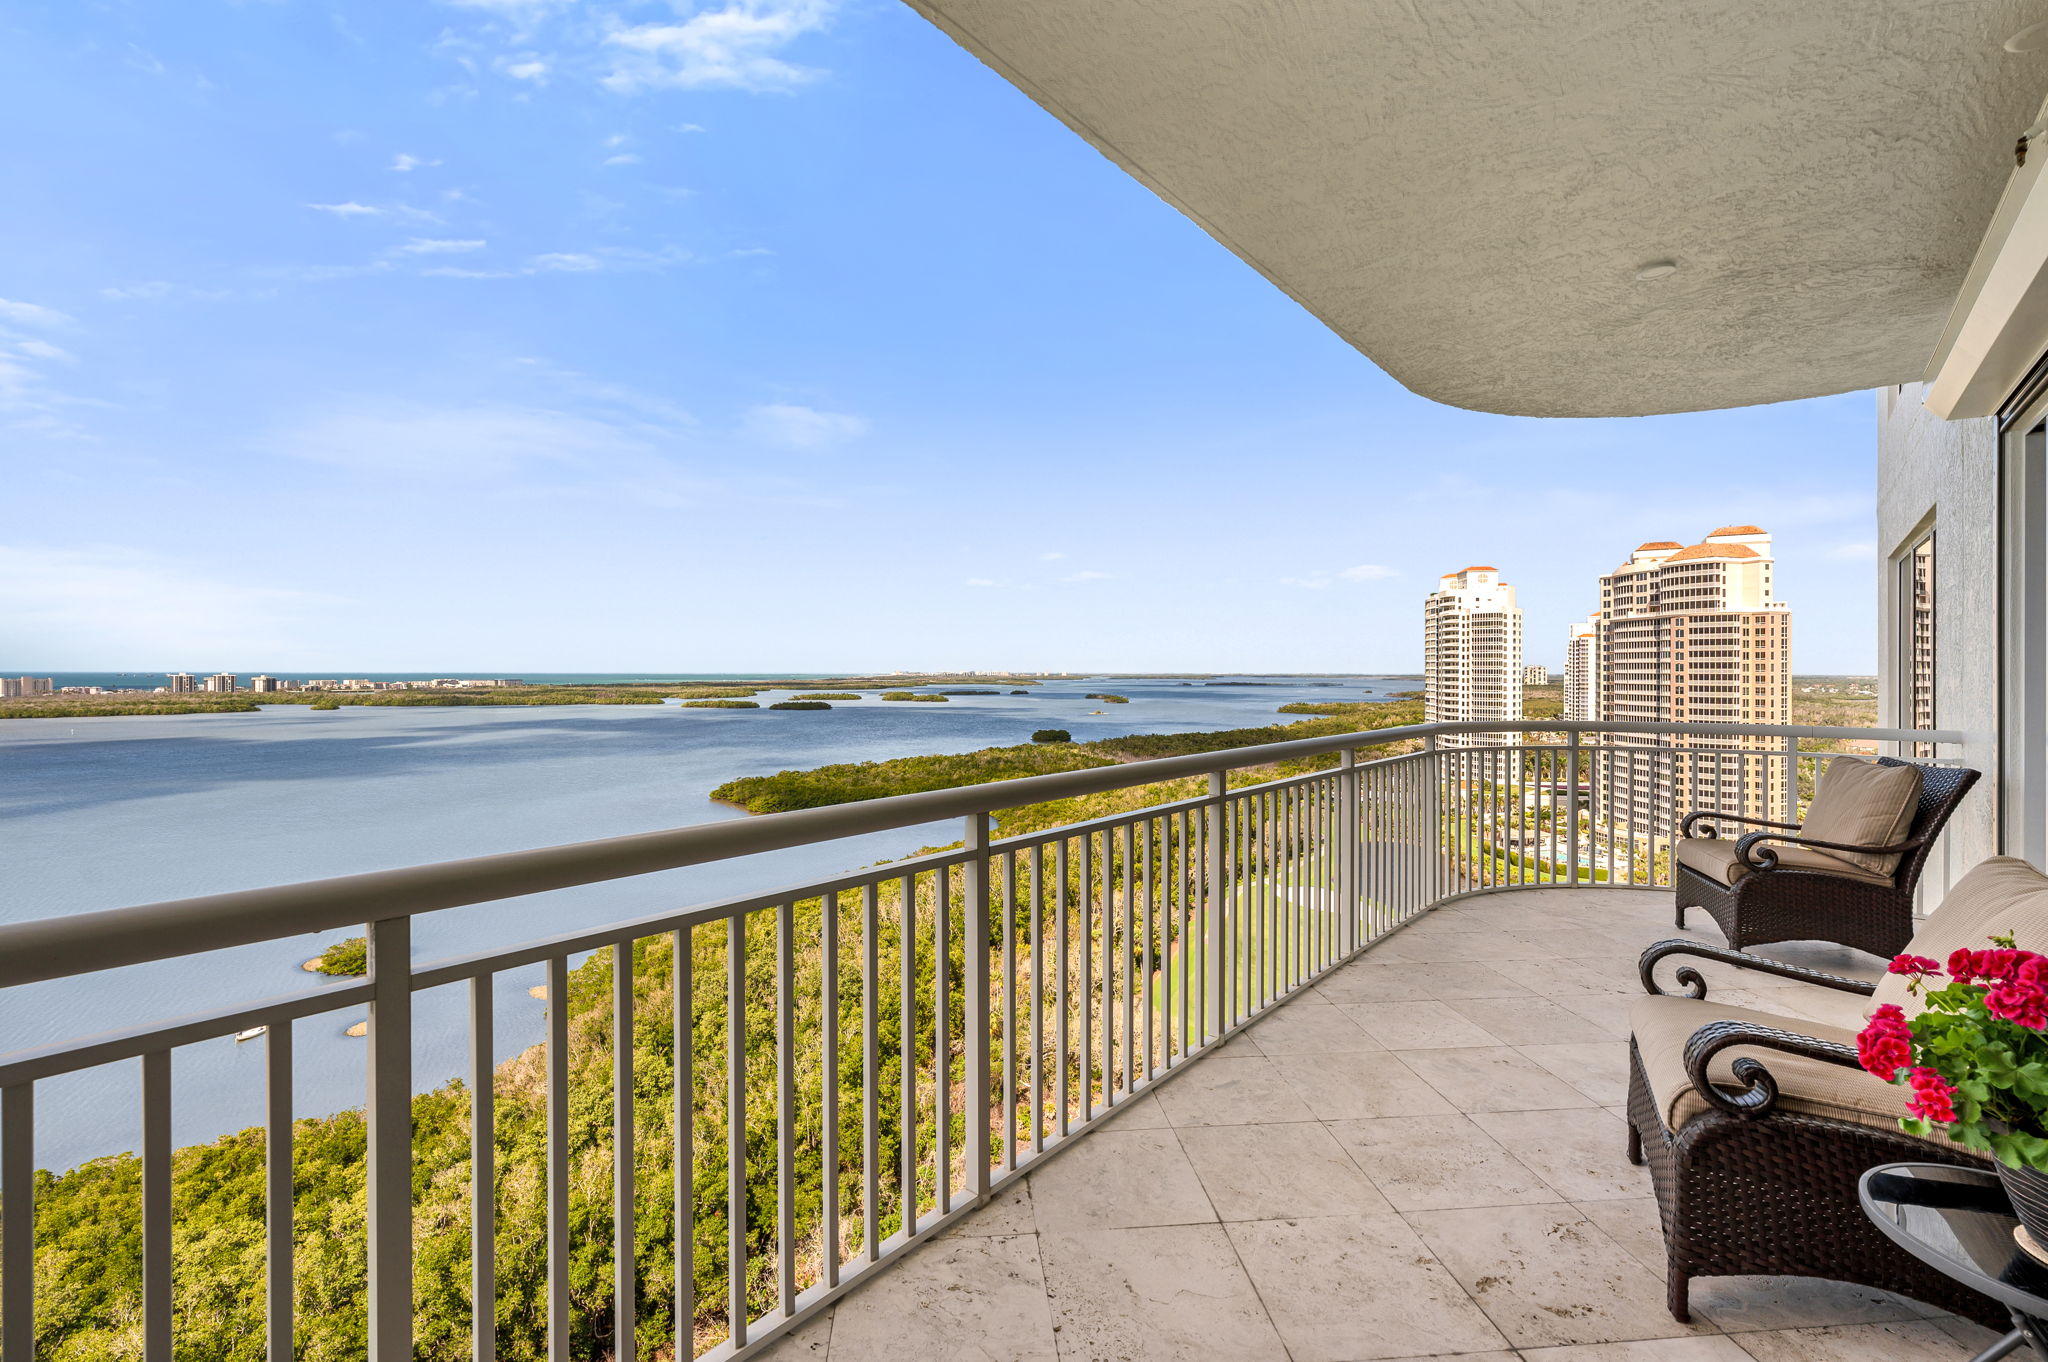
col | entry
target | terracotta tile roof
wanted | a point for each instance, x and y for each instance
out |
(1479, 569)
(1736, 529)
(1712, 551)
(1658, 544)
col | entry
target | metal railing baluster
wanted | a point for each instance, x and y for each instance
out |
(942, 1040)
(1065, 967)
(870, 1074)
(1035, 936)
(559, 1322)
(156, 1206)
(828, 1211)
(907, 1047)
(735, 1130)
(683, 1031)
(389, 1120)
(785, 1107)
(277, 1192)
(974, 1009)
(625, 1275)
(18, 1222)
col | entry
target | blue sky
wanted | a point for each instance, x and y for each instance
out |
(583, 336)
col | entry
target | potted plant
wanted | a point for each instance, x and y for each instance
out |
(1976, 1058)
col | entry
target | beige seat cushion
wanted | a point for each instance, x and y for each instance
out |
(1714, 857)
(2001, 896)
(1863, 804)
(1811, 1087)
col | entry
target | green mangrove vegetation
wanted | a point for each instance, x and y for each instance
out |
(799, 704)
(1052, 735)
(912, 695)
(721, 704)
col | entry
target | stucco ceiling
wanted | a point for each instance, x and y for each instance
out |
(1467, 190)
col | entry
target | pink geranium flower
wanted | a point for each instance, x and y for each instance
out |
(1933, 1099)
(1914, 964)
(1885, 1046)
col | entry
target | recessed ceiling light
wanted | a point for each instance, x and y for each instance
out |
(1656, 269)
(2033, 38)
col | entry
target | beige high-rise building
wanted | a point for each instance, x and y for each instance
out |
(220, 682)
(181, 682)
(1472, 653)
(1693, 635)
(1582, 670)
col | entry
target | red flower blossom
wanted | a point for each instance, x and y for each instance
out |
(2021, 998)
(1915, 964)
(1933, 1099)
(1988, 968)
(1885, 1046)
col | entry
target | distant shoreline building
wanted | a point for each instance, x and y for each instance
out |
(1472, 653)
(1692, 634)
(1535, 676)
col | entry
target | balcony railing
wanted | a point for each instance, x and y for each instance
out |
(865, 1058)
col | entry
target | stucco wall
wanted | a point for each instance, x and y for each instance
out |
(1945, 473)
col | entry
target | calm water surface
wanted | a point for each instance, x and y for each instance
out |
(102, 813)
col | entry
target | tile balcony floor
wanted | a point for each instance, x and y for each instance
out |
(1422, 1156)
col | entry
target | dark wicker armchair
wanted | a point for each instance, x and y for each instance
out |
(1772, 899)
(1759, 1178)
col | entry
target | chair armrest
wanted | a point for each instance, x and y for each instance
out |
(1759, 1091)
(1685, 826)
(1696, 987)
(1751, 851)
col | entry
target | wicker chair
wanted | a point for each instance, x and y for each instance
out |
(1770, 901)
(1747, 1188)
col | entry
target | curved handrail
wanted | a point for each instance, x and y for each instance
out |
(52, 948)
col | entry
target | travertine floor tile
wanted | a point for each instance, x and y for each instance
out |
(1706, 1349)
(1140, 1112)
(1492, 1079)
(1228, 1090)
(811, 1343)
(1310, 1026)
(952, 1298)
(1352, 1087)
(1547, 1275)
(1278, 1172)
(1580, 1152)
(1369, 981)
(1528, 1021)
(1608, 1011)
(1007, 1212)
(1155, 1295)
(1117, 1179)
(1438, 1163)
(1914, 1341)
(1356, 1288)
(1598, 1068)
(1749, 1304)
(1421, 1024)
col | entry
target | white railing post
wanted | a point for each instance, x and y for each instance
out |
(976, 1103)
(390, 1140)
(1433, 821)
(1218, 929)
(1789, 811)
(1351, 848)
(1571, 803)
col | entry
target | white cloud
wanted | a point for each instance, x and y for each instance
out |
(617, 139)
(148, 291)
(1321, 579)
(437, 246)
(689, 127)
(1052, 557)
(32, 314)
(624, 158)
(404, 161)
(403, 212)
(572, 262)
(464, 440)
(978, 581)
(1087, 575)
(350, 209)
(798, 427)
(735, 45)
(42, 349)
(527, 68)
(111, 602)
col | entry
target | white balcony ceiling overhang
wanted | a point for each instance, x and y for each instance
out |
(1484, 196)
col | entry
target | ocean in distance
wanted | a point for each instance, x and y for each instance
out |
(111, 811)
